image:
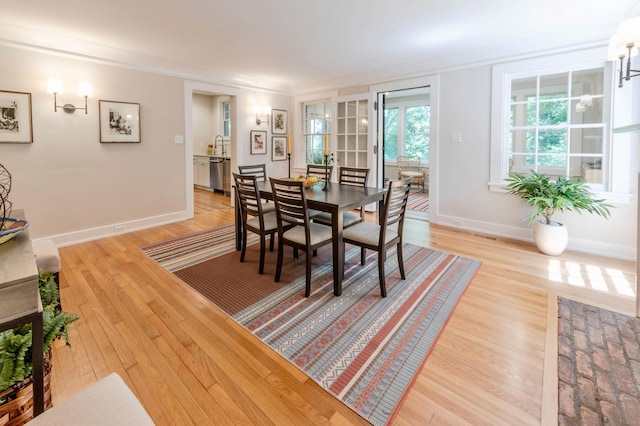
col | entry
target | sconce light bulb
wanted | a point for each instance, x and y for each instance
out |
(85, 90)
(54, 85)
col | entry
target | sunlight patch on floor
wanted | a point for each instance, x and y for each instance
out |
(606, 280)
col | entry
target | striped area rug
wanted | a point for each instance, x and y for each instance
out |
(365, 350)
(181, 252)
(418, 201)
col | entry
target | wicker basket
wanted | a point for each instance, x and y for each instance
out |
(18, 408)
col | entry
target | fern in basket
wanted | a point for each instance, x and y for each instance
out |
(15, 345)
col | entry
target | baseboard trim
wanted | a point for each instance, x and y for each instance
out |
(91, 234)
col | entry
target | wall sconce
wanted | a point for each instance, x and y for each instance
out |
(54, 86)
(585, 102)
(266, 116)
(625, 45)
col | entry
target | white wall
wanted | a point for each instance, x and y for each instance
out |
(75, 188)
(248, 119)
(204, 129)
(463, 192)
(71, 186)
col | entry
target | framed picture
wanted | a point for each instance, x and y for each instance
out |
(279, 122)
(119, 122)
(258, 142)
(278, 148)
(15, 117)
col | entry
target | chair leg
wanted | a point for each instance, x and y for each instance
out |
(279, 264)
(295, 254)
(363, 256)
(244, 243)
(271, 241)
(263, 243)
(400, 261)
(383, 287)
(315, 252)
(307, 289)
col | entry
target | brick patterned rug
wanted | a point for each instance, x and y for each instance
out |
(598, 366)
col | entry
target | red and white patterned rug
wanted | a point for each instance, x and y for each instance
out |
(365, 350)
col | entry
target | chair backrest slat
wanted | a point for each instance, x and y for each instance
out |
(396, 202)
(319, 170)
(356, 176)
(291, 203)
(248, 195)
(257, 170)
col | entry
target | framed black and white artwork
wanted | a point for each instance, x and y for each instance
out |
(119, 122)
(15, 117)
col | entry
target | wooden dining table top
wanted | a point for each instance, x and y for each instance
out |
(336, 197)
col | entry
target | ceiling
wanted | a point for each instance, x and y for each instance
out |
(293, 45)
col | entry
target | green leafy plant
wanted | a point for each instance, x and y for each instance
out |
(549, 196)
(15, 345)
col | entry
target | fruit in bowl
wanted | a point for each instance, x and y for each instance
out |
(308, 181)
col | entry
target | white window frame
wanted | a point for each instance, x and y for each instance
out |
(500, 108)
(327, 125)
(297, 145)
(225, 119)
(571, 167)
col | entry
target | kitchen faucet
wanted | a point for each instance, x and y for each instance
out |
(216, 144)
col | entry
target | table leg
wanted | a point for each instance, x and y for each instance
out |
(338, 252)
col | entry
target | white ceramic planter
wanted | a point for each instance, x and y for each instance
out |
(550, 239)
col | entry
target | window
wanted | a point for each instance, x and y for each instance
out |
(556, 125)
(226, 119)
(317, 123)
(406, 130)
(553, 115)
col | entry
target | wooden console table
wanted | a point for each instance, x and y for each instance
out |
(20, 301)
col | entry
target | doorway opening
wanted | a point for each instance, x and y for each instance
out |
(404, 123)
(210, 140)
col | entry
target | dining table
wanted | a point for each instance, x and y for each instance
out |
(334, 199)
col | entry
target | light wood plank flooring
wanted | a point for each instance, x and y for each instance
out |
(188, 363)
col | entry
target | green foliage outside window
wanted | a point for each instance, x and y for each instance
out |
(415, 132)
(391, 133)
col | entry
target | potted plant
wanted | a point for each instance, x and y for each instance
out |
(16, 366)
(550, 196)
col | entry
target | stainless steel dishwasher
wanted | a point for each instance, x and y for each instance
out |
(216, 176)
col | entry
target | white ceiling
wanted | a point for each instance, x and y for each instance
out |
(293, 45)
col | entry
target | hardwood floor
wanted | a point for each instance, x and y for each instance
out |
(188, 363)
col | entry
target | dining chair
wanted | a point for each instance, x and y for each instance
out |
(381, 237)
(409, 166)
(349, 176)
(257, 170)
(260, 172)
(292, 211)
(254, 218)
(320, 171)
